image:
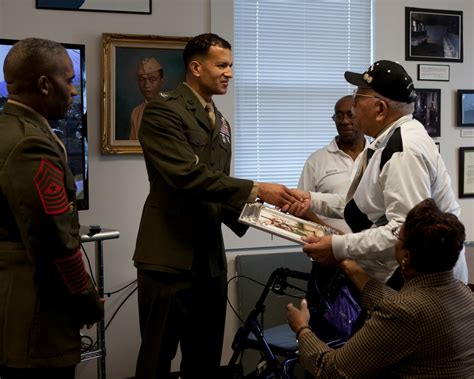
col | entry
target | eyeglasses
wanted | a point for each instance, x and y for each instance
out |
(396, 232)
(355, 94)
(340, 116)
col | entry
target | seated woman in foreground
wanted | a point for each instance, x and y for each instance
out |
(425, 330)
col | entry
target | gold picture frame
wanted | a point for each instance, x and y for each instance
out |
(126, 60)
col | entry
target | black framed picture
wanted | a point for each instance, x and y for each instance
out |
(122, 6)
(433, 35)
(433, 72)
(428, 110)
(465, 98)
(466, 172)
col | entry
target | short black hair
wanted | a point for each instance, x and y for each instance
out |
(200, 45)
(27, 60)
(433, 238)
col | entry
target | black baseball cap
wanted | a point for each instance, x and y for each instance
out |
(387, 78)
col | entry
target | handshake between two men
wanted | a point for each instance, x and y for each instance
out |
(298, 202)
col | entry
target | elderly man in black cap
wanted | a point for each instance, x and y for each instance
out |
(400, 168)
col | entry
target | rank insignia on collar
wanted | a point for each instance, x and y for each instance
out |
(49, 182)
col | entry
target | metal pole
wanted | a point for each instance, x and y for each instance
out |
(99, 269)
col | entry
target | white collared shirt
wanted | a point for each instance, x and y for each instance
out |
(329, 170)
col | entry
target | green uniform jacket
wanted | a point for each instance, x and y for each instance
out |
(45, 293)
(191, 192)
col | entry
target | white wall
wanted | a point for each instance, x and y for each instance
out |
(118, 184)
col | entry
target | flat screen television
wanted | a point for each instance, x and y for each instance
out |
(73, 128)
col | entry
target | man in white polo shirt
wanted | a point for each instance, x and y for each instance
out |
(332, 168)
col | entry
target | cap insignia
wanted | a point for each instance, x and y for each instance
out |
(367, 78)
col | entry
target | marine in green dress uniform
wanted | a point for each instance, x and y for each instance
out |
(46, 295)
(180, 253)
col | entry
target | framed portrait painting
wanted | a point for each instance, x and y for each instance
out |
(135, 68)
(122, 6)
(465, 99)
(433, 35)
(428, 110)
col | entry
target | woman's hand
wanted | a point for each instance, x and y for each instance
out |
(297, 318)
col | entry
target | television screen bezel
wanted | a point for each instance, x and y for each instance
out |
(82, 203)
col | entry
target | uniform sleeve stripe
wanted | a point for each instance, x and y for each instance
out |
(73, 272)
(49, 182)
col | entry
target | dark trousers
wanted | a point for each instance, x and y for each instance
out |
(36, 373)
(180, 308)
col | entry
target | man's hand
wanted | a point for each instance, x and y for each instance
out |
(301, 207)
(278, 195)
(320, 249)
(89, 326)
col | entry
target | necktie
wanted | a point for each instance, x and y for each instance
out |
(210, 114)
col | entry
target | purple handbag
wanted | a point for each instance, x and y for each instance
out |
(343, 312)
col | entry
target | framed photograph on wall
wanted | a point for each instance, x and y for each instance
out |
(135, 69)
(466, 172)
(428, 110)
(433, 35)
(122, 6)
(465, 99)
